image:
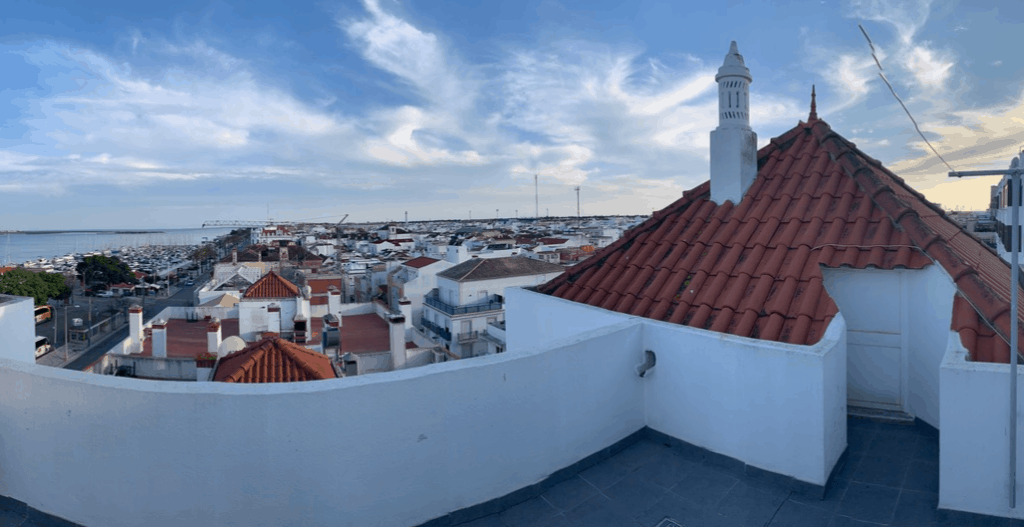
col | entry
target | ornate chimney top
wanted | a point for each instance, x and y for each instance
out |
(814, 107)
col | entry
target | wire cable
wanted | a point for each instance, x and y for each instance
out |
(881, 73)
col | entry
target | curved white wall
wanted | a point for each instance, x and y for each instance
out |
(390, 449)
(17, 329)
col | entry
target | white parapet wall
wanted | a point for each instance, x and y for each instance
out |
(17, 328)
(974, 445)
(405, 446)
(776, 406)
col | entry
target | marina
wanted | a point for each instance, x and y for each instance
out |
(145, 251)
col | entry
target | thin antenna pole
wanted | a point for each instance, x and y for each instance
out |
(578, 217)
(536, 197)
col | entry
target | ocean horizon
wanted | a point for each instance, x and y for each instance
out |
(27, 246)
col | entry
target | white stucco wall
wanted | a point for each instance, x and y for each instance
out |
(225, 454)
(252, 316)
(974, 449)
(930, 301)
(776, 406)
(780, 407)
(927, 299)
(17, 328)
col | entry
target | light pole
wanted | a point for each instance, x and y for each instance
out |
(1015, 170)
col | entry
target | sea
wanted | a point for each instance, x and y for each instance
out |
(21, 247)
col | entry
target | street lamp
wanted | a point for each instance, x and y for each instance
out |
(1015, 170)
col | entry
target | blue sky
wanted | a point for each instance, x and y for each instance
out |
(117, 114)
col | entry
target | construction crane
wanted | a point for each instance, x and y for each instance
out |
(261, 223)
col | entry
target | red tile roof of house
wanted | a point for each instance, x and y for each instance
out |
(364, 334)
(420, 262)
(188, 339)
(271, 285)
(553, 241)
(319, 285)
(274, 359)
(753, 269)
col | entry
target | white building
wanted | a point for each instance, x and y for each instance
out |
(469, 298)
(411, 282)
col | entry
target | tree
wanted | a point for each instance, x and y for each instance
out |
(40, 286)
(105, 270)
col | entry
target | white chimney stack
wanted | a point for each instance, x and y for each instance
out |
(160, 338)
(213, 336)
(135, 328)
(733, 143)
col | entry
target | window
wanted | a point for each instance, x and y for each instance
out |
(467, 326)
(483, 294)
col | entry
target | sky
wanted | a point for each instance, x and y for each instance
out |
(137, 114)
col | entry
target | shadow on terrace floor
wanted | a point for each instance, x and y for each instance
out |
(891, 478)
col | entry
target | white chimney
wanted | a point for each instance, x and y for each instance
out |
(733, 143)
(160, 338)
(396, 334)
(333, 300)
(234, 256)
(213, 336)
(274, 319)
(135, 328)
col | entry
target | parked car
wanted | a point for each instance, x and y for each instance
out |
(106, 294)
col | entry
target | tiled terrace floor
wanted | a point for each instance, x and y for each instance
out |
(891, 478)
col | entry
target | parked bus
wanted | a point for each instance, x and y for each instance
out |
(42, 346)
(43, 313)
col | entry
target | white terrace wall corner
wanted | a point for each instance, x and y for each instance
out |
(428, 435)
(711, 389)
(974, 448)
(776, 406)
(930, 302)
(17, 328)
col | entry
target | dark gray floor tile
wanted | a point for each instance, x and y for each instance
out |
(832, 499)
(923, 475)
(487, 521)
(705, 486)
(916, 508)
(746, 505)
(893, 444)
(676, 507)
(554, 521)
(599, 511)
(793, 514)
(852, 462)
(10, 518)
(882, 470)
(927, 449)
(634, 495)
(605, 473)
(859, 439)
(860, 423)
(899, 428)
(569, 493)
(872, 503)
(528, 513)
(639, 454)
(846, 521)
(667, 470)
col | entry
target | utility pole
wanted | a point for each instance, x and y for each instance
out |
(578, 217)
(66, 343)
(536, 197)
(495, 213)
(1015, 170)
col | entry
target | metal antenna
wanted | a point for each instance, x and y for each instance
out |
(536, 197)
(886, 81)
(578, 217)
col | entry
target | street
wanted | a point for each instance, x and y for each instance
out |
(79, 308)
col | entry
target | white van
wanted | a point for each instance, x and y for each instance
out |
(42, 346)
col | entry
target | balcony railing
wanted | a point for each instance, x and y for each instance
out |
(438, 330)
(433, 301)
(468, 336)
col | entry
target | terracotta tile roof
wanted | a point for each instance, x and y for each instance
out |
(319, 285)
(188, 339)
(753, 269)
(274, 360)
(420, 262)
(271, 285)
(491, 268)
(553, 241)
(364, 334)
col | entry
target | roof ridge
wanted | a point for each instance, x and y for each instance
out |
(475, 267)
